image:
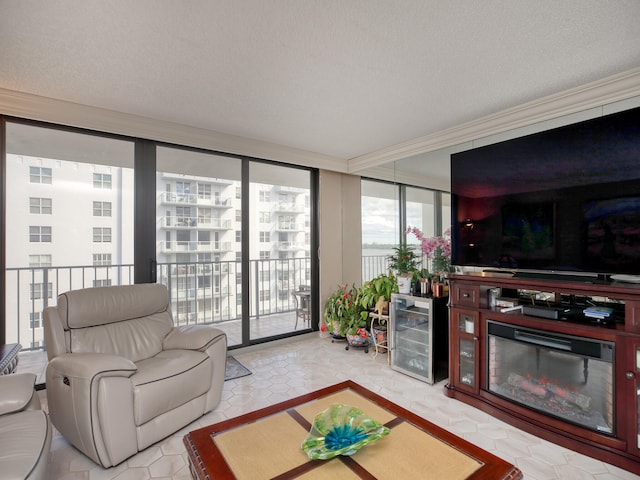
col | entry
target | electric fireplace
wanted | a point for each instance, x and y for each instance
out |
(564, 376)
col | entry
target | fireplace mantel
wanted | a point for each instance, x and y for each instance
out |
(478, 301)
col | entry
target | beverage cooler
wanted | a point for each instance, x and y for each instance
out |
(417, 339)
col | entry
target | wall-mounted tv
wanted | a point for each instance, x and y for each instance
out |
(564, 200)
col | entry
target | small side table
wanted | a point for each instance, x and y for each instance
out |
(9, 357)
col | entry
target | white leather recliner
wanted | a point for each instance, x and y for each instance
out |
(121, 376)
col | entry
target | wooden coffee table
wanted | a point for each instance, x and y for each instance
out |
(266, 444)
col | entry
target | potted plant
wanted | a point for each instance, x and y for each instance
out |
(375, 297)
(437, 250)
(339, 309)
(343, 316)
(375, 294)
(404, 262)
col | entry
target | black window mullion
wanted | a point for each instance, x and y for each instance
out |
(144, 246)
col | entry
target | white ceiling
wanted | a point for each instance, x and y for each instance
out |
(341, 78)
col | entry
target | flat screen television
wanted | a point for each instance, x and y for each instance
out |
(563, 200)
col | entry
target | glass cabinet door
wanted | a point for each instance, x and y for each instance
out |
(467, 368)
(635, 374)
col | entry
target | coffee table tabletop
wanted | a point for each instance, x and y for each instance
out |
(210, 457)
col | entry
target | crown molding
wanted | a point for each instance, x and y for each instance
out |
(45, 109)
(611, 89)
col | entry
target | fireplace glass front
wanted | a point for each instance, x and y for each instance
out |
(563, 376)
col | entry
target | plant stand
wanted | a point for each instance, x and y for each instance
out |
(379, 334)
(337, 338)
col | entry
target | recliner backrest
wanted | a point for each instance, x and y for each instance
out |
(129, 320)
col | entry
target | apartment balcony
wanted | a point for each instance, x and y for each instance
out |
(205, 305)
(200, 269)
(285, 207)
(195, 223)
(180, 199)
(290, 189)
(216, 304)
(209, 181)
(290, 246)
(192, 293)
(194, 246)
(289, 227)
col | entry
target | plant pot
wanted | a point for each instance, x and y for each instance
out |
(404, 284)
(357, 341)
(380, 334)
(335, 331)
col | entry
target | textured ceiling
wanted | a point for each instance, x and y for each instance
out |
(342, 78)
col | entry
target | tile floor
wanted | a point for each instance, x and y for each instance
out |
(288, 369)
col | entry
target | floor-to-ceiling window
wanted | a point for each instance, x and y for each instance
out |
(198, 250)
(420, 212)
(231, 237)
(69, 221)
(279, 245)
(388, 209)
(380, 205)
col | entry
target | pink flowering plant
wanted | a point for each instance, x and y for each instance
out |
(435, 249)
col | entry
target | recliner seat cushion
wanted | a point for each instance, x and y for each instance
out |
(168, 380)
(23, 443)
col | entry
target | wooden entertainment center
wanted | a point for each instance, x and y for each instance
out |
(596, 410)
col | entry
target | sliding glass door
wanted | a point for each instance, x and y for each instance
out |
(208, 214)
(279, 249)
(199, 233)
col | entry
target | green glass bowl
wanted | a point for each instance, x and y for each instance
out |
(341, 430)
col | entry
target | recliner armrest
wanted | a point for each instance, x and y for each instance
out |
(192, 337)
(88, 365)
(16, 391)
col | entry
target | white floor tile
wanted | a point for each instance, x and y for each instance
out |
(285, 370)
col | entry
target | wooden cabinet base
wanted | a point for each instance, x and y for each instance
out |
(609, 454)
(571, 378)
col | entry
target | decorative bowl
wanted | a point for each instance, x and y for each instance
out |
(341, 430)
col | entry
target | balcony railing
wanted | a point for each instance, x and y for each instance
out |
(286, 207)
(201, 292)
(374, 265)
(182, 222)
(178, 246)
(194, 199)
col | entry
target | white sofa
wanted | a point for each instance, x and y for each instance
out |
(25, 429)
(121, 376)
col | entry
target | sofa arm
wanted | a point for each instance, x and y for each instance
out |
(16, 391)
(89, 365)
(192, 337)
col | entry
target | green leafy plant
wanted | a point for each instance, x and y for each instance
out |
(342, 311)
(404, 260)
(376, 291)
